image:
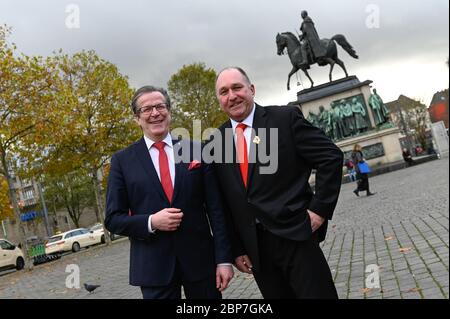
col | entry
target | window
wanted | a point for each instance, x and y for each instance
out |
(68, 235)
(53, 239)
(6, 245)
(76, 233)
(28, 193)
(97, 227)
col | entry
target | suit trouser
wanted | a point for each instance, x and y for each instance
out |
(202, 289)
(292, 269)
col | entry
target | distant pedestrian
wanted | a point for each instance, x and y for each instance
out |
(430, 149)
(351, 169)
(407, 157)
(418, 150)
(362, 177)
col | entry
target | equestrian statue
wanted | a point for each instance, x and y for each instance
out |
(309, 49)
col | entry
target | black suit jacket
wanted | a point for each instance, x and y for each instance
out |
(133, 185)
(280, 200)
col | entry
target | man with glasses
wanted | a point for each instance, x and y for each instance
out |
(170, 209)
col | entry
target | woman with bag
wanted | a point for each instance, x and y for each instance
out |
(362, 171)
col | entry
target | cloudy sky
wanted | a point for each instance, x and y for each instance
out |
(402, 44)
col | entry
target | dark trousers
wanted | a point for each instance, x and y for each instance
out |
(203, 289)
(409, 162)
(292, 269)
(363, 182)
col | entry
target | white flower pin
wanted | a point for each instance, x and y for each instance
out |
(256, 140)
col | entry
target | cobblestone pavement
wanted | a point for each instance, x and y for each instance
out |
(403, 230)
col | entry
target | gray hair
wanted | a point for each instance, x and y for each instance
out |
(239, 69)
(148, 89)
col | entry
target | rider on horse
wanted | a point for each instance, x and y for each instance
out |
(310, 41)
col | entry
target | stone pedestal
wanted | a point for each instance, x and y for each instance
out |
(380, 145)
(335, 90)
(311, 99)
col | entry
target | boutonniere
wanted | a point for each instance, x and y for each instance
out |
(194, 164)
(256, 140)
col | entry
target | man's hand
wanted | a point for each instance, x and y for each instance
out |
(316, 220)
(167, 219)
(224, 274)
(244, 264)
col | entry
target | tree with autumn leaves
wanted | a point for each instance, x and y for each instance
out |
(91, 120)
(72, 192)
(5, 203)
(59, 116)
(192, 91)
(26, 86)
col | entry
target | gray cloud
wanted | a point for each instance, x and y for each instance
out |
(150, 40)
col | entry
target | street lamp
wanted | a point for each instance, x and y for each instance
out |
(44, 207)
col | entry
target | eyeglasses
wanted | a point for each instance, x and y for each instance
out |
(149, 109)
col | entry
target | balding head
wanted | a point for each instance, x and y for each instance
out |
(235, 93)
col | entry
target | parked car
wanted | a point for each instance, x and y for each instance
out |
(99, 233)
(11, 256)
(72, 240)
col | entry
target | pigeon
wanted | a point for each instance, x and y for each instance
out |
(90, 288)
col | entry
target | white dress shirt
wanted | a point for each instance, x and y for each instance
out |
(248, 130)
(154, 154)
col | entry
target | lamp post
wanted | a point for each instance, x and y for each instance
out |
(4, 229)
(44, 207)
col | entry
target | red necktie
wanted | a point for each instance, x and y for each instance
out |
(164, 171)
(242, 151)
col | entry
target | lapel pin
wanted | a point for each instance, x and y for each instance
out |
(256, 140)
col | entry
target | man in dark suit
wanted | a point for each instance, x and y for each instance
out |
(278, 221)
(167, 206)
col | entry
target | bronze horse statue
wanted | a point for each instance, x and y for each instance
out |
(291, 42)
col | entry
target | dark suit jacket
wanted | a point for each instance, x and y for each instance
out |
(280, 200)
(134, 185)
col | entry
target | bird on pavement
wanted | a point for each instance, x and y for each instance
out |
(90, 288)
